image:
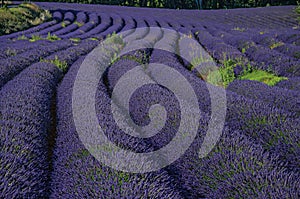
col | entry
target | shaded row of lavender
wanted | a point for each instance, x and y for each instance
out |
(25, 119)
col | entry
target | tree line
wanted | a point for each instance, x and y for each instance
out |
(186, 4)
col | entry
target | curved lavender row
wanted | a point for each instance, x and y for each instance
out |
(117, 26)
(217, 48)
(275, 129)
(130, 26)
(71, 54)
(13, 65)
(189, 50)
(271, 60)
(140, 103)
(105, 88)
(204, 37)
(290, 50)
(165, 49)
(168, 41)
(259, 185)
(276, 96)
(199, 86)
(69, 17)
(291, 37)
(237, 40)
(280, 21)
(265, 39)
(118, 69)
(270, 40)
(70, 28)
(54, 28)
(57, 15)
(139, 33)
(235, 154)
(164, 24)
(154, 35)
(80, 18)
(12, 49)
(142, 38)
(25, 126)
(174, 24)
(110, 124)
(200, 58)
(106, 22)
(92, 23)
(130, 59)
(78, 175)
(293, 83)
(151, 22)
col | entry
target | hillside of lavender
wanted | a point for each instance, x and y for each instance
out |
(256, 156)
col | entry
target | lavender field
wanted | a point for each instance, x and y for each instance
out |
(42, 154)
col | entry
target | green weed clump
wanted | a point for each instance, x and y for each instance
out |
(35, 38)
(78, 23)
(52, 37)
(263, 76)
(63, 24)
(75, 39)
(225, 74)
(62, 65)
(276, 44)
(23, 37)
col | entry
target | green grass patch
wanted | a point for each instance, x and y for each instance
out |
(276, 44)
(23, 37)
(78, 23)
(52, 37)
(63, 24)
(94, 39)
(63, 65)
(35, 38)
(263, 76)
(75, 39)
(225, 74)
(22, 17)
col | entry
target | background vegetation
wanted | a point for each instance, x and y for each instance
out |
(187, 4)
(21, 17)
